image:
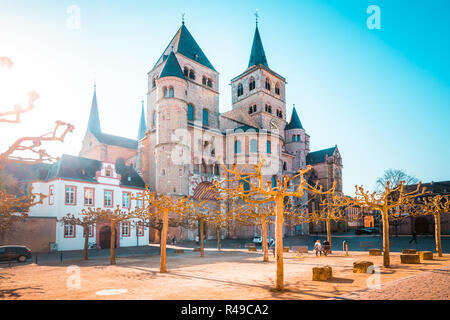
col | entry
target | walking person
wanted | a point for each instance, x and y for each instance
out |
(174, 240)
(318, 247)
(414, 237)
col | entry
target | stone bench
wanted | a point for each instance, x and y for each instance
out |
(300, 249)
(410, 258)
(409, 251)
(322, 273)
(367, 244)
(426, 255)
(251, 248)
(179, 250)
(363, 267)
(375, 252)
(249, 245)
(286, 249)
(197, 249)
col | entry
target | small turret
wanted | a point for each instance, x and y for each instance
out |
(297, 141)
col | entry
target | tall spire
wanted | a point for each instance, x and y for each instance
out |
(142, 124)
(257, 56)
(94, 119)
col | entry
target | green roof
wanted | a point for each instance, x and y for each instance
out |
(257, 56)
(142, 124)
(295, 122)
(184, 43)
(172, 68)
(319, 156)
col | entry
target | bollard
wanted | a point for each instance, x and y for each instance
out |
(345, 247)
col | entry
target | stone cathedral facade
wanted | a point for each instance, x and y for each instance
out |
(182, 135)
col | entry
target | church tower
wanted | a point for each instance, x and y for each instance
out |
(171, 122)
(260, 91)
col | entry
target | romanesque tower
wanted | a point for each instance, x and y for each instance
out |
(297, 141)
(171, 120)
(260, 91)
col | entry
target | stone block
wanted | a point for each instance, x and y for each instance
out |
(197, 249)
(409, 251)
(363, 267)
(179, 250)
(426, 255)
(251, 248)
(410, 258)
(286, 249)
(375, 252)
(300, 249)
(322, 273)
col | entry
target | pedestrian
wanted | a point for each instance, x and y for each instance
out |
(414, 237)
(318, 247)
(196, 240)
(326, 247)
(174, 240)
(272, 247)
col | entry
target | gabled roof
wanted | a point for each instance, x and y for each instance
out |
(142, 124)
(74, 168)
(295, 122)
(319, 156)
(184, 43)
(241, 116)
(257, 55)
(94, 119)
(172, 68)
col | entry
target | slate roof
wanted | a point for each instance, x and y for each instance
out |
(257, 55)
(74, 168)
(142, 124)
(319, 156)
(295, 122)
(172, 68)
(184, 43)
(94, 119)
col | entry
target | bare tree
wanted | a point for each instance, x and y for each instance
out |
(395, 177)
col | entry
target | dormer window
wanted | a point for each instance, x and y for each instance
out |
(267, 84)
(108, 172)
(251, 85)
(240, 90)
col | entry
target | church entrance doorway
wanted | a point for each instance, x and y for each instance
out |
(105, 237)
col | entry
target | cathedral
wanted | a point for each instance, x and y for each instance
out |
(182, 136)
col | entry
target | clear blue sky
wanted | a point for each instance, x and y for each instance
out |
(381, 95)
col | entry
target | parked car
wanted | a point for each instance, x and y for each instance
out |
(258, 240)
(367, 231)
(13, 252)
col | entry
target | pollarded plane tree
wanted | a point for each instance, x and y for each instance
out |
(112, 217)
(221, 218)
(157, 207)
(16, 205)
(436, 206)
(259, 190)
(389, 203)
(86, 220)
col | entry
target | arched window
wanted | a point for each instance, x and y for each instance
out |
(269, 147)
(267, 84)
(245, 183)
(279, 113)
(204, 80)
(154, 82)
(240, 90)
(268, 108)
(253, 145)
(209, 83)
(252, 109)
(285, 166)
(171, 92)
(237, 146)
(205, 117)
(165, 92)
(191, 74)
(251, 84)
(186, 72)
(277, 89)
(154, 118)
(190, 113)
(274, 181)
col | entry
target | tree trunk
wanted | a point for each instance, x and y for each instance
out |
(202, 246)
(437, 233)
(112, 256)
(328, 223)
(163, 267)
(86, 242)
(386, 257)
(218, 239)
(279, 242)
(264, 239)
